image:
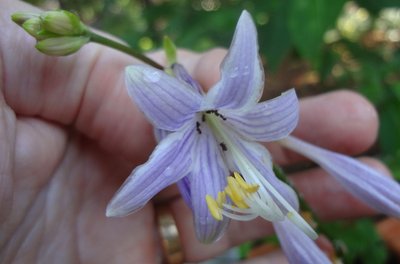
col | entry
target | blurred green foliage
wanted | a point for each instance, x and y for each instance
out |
(310, 44)
(356, 242)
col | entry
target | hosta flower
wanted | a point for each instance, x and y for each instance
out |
(209, 142)
(208, 146)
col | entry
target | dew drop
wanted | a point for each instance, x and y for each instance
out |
(169, 171)
(151, 75)
(235, 72)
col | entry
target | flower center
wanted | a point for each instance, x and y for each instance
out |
(239, 192)
(250, 194)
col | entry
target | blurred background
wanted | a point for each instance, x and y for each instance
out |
(315, 46)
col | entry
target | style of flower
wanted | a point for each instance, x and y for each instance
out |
(208, 142)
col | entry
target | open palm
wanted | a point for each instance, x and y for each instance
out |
(69, 136)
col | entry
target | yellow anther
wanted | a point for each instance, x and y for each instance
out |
(221, 198)
(215, 210)
(235, 193)
(250, 188)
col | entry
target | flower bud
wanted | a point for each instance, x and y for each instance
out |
(61, 46)
(21, 17)
(34, 27)
(63, 23)
(170, 50)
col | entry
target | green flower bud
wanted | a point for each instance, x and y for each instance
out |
(63, 23)
(21, 17)
(61, 46)
(34, 27)
(170, 50)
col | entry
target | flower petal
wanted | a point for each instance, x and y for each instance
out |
(298, 247)
(160, 134)
(184, 188)
(208, 178)
(380, 192)
(181, 74)
(168, 163)
(267, 121)
(283, 195)
(167, 102)
(242, 76)
(261, 159)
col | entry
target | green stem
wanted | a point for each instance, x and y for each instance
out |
(118, 46)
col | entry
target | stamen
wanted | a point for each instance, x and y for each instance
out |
(215, 210)
(247, 187)
(198, 127)
(235, 193)
(223, 146)
(221, 198)
(216, 113)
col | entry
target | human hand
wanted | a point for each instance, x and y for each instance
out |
(70, 135)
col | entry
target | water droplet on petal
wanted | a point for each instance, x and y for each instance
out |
(234, 73)
(151, 75)
(168, 172)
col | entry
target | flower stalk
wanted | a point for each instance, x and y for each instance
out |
(94, 37)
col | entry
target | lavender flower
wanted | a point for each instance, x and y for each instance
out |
(208, 142)
(208, 145)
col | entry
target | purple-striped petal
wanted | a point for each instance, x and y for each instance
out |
(267, 121)
(167, 102)
(184, 188)
(378, 191)
(298, 247)
(261, 159)
(242, 76)
(168, 163)
(160, 134)
(208, 178)
(184, 183)
(181, 74)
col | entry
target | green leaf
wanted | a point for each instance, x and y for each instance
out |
(396, 90)
(308, 21)
(358, 241)
(392, 161)
(372, 84)
(274, 37)
(389, 137)
(375, 6)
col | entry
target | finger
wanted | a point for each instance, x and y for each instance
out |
(275, 257)
(342, 121)
(207, 70)
(85, 90)
(328, 199)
